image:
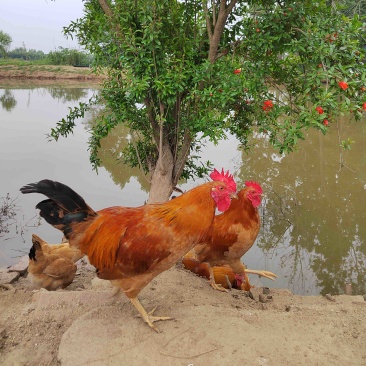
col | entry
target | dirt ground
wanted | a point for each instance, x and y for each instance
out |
(84, 325)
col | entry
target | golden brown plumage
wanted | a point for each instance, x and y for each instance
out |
(63, 250)
(52, 266)
(224, 275)
(233, 233)
(130, 246)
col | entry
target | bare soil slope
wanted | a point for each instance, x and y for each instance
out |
(84, 325)
(48, 72)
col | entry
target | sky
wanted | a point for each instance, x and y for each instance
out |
(39, 23)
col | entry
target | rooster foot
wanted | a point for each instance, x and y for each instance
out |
(265, 274)
(218, 287)
(147, 316)
(228, 282)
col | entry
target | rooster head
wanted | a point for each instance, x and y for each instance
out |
(255, 193)
(227, 178)
(239, 279)
(224, 189)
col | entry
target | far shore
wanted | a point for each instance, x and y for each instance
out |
(48, 73)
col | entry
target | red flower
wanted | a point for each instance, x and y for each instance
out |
(319, 110)
(267, 105)
(343, 85)
(326, 123)
(237, 71)
(364, 106)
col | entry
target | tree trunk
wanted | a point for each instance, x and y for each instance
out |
(162, 178)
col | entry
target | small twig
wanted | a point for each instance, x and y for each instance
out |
(342, 165)
(21, 272)
(185, 357)
(177, 335)
(299, 30)
(330, 297)
(341, 157)
(191, 356)
(138, 155)
(176, 189)
(6, 286)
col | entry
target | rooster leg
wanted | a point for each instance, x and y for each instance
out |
(213, 284)
(265, 274)
(228, 282)
(115, 292)
(148, 318)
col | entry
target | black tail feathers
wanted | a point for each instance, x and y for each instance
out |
(59, 193)
(64, 206)
(36, 246)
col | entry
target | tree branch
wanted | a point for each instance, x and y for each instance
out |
(154, 125)
(161, 136)
(219, 28)
(182, 156)
(137, 154)
(104, 4)
(207, 17)
(106, 7)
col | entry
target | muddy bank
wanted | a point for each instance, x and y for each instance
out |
(48, 72)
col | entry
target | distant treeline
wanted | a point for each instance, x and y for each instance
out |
(62, 56)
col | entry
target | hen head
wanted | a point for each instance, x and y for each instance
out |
(254, 193)
(223, 190)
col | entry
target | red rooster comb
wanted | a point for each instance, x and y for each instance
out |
(224, 177)
(255, 185)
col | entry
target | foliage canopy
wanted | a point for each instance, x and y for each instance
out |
(5, 41)
(179, 72)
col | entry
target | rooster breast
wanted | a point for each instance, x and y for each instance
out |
(231, 237)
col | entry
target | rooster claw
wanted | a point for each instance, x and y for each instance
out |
(152, 319)
(228, 282)
(218, 287)
(156, 318)
(147, 316)
(265, 274)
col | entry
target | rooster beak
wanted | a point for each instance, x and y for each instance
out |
(233, 195)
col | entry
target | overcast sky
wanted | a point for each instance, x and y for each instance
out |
(39, 23)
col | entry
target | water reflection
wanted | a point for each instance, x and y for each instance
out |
(57, 92)
(313, 216)
(110, 155)
(67, 95)
(7, 100)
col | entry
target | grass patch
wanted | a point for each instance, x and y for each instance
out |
(35, 70)
(18, 62)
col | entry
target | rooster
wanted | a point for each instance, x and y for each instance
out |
(52, 266)
(132, 245)
(224, 276)
(233, 234)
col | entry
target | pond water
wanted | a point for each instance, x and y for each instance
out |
(313, 233)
